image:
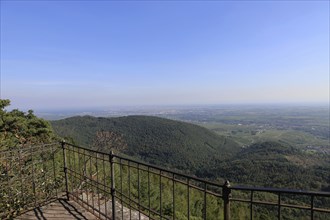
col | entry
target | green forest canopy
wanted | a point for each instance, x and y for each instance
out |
(196, 150)
(20, 128)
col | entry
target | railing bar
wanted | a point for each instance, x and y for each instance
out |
(91, 175)
(72, 166)
(282, 205)
(279, 206)
(45, 161)
(321, 210)
(149, 204)
(33, 181)
(240, 200)
(173, 195)
(138, 175)
(90, 154)
(79, 172)
(97, 180)
(160, 192)
(188, 199)
(198, 188)
(85, 175)
(54, 169)
(276, 204)
(312, 207)
(142, 169)
(251, 205)
(21, 175)
(104, 185)
(204, 210)
(87, 149)
(121, 189)
(43, 170)
(75, 165)
(283, 191)
(7, 177)
(113, 188)
(46, 174)
(129, 190)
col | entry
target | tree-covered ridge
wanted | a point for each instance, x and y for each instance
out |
(156, 140)
(201, 152)
(20, 128)
(272, 164)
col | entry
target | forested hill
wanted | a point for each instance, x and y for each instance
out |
(197, 150)
(155, 140)
(273, 164)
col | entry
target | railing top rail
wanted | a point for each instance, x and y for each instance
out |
(277, 190)
(85, 148)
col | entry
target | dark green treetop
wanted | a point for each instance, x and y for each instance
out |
(20, 128)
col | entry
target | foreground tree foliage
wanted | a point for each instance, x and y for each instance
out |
(27, 161)
(18, 128)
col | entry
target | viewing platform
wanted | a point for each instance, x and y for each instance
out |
(58, 209)
(64, 181)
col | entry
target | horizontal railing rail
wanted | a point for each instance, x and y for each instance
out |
(276, 190)
(306, 204)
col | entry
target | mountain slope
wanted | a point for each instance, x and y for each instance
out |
(197, 150)
(273, 164)
(155, 140)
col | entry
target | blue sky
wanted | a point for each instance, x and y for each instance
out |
(79, 54)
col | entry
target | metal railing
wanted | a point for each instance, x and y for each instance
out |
(118, 187)
(29, 177)
(284, 199)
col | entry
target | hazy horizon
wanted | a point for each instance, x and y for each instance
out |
(100, 54)
(64, 109)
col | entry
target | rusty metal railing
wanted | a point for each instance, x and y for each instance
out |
(118, 187)
(29, 177)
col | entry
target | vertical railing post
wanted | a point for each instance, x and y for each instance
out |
(312, 207)
(33, 179)
(65, 169)
(113, 190)
(226, 193)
